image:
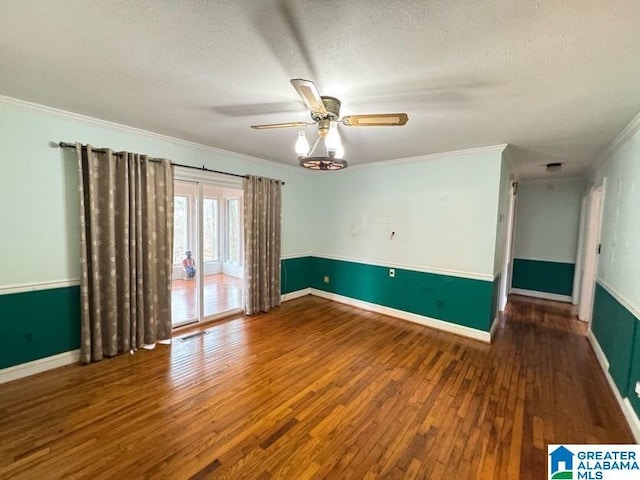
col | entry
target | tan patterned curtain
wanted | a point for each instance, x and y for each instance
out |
(126, 219)
(262, 219)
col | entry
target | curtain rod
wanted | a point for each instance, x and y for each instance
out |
(202, 169)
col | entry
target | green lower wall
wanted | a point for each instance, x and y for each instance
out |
(47, 322)
(38, 324)
(541, 276)
(616, 330)
(456, 300)
(295, 274)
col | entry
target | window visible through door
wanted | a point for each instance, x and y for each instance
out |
(210, 230)
(180, 227)
(233, 231)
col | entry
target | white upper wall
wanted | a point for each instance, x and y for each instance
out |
(39, 213)
(547, 219)
(443, 210)
(619, 262)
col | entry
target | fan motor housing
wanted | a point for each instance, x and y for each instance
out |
(332, 105)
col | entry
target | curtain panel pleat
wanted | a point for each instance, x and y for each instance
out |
(262, 230)
(126, 219)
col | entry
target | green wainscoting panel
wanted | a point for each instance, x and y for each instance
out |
(38, 324)
(634, 370)
(615, 329)
(295, 274)
(540, 276)
(495, 295)
(456, 300)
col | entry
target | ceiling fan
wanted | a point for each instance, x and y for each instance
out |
(325, 112)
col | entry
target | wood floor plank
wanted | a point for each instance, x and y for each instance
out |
(317, 389)
(221, 292)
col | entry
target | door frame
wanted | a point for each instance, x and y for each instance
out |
(223, 182)
(507, 266)
(592, 238)
(577, 275)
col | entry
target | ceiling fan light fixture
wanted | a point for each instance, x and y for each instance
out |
(335, 151)
(302, 145)
(333, 139)
(325, 113)
(554, 167)
(323, 163)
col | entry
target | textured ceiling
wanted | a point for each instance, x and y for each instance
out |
(556, 79)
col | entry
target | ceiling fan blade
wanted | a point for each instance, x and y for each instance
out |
(281, 125)
(376, 120)
(310, 96)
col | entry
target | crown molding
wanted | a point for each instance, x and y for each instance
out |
(629, 131)
(433, 156)
(77, 117)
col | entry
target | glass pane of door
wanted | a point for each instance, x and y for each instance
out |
(222, 286)
(184, 291)
(210, 230)
(212, 266)
(233, 262)
(207, 275)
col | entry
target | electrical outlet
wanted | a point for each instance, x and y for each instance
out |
(638, 389)
(392, 272)
(326, 279)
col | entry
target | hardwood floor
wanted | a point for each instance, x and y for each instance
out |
(317, 389)
(221, 293)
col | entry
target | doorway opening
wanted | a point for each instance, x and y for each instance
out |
(591, 251)
(507, 265)
(208, 251)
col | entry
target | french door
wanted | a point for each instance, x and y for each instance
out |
(208, 251)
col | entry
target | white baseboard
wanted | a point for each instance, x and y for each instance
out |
(40, 365)
(632, 419)
(602, 358)
(543, 295)
(625, 404)
(297, 294)
(411, 317)
(494, 326)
